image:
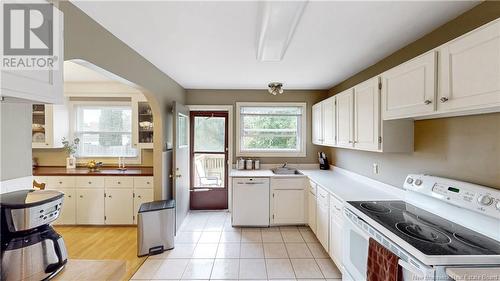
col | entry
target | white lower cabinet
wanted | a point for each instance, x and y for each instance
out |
(141, 196)
(90, 206)
(119, 208)
(311, 207)
(100, 200)
(322, 216)
(336, 225)
(288, 201)
(68, 212)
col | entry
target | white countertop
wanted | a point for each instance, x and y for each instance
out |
(468, 274)
(341, 185)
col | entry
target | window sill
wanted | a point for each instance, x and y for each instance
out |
(270, 154)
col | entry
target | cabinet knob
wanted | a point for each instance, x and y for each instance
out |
(110, 196)
(60, 182)
(81, 196)
(427, 101)
(90, 182)
(148, 182)
(443, 99)
(138, 196)
(350, 141)
(119, 182)
(69, 196)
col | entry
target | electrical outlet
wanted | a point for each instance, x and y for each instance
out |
(375, 168)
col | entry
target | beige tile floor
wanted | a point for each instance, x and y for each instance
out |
(207, 247)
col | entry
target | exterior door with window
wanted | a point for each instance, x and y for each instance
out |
(209, 158)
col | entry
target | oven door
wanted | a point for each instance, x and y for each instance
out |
(356, 234)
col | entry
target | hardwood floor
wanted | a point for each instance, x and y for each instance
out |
(103, 242)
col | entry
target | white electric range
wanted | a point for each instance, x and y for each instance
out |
(442, 223)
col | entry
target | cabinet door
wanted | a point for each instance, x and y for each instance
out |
(317, 124)
(68, 211)
(409, 89)
(288, 206)
(322, 219)
(366, 115)
(141, 196)
(345, 119)
(470, 70)
(90, 206)
(335, 242)
(119, 206)
(311, 211)
(329, 124)
(45, 86)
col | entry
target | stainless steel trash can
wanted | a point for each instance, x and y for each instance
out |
(155, 227)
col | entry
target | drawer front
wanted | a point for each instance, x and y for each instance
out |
(322, 196)
(61, 182)
(336, 206)
(118, 182)
(143, 182)
(312, 187)
(90, 182)
(288, 183)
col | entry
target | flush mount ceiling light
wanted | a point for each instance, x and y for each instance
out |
(278, 22)
(275, 88)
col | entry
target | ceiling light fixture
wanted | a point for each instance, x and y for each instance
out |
(275, 88)
(278, 22)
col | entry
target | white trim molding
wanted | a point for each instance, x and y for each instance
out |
(302, 131)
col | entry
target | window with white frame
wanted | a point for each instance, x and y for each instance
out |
(271, 129)
(104, 130)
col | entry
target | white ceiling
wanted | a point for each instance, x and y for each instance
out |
(213, 45)
(74, 72)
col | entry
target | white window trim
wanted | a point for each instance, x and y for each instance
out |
(302, 130)
(107, 160)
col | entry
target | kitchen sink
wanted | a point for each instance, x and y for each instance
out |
(286, 171)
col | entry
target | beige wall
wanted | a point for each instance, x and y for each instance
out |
(87, 40)
(230, 97)
(465, 148)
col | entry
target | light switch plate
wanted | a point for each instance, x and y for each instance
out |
(375, 168)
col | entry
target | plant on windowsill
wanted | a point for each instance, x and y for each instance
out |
(70, 148)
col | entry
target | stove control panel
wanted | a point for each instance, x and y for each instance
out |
(466, 195)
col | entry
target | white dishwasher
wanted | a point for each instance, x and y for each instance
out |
(250, 202)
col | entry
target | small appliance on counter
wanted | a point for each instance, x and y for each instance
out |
(31, 249)
(247, 164)
(323, 161)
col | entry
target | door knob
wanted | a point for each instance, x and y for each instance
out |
(443, 99)
(427, 101)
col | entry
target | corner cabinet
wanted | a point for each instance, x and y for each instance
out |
(49, 125)
(41, 86)
(142, 123)
(288, 201)
(359, 123)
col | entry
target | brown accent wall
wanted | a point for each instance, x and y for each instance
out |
(465, 148)
(230, 97)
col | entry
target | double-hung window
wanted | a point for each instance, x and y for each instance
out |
(271, 129)
(104, 130)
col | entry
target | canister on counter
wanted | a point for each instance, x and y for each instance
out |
(249, 164)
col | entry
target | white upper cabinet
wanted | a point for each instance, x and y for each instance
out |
(329, 121)
(317, 125)
(345, 119)
(41, 86)
(367, 115)
(409, 90)
(469, 75)
(49, 125)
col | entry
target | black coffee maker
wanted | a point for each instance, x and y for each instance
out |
(323, 161)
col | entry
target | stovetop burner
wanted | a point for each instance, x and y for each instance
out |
(425, 231)
(374, 207)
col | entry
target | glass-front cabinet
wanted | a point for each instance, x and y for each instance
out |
(144, 126)
(49, 125)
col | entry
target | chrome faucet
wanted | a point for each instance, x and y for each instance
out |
(284, 165)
